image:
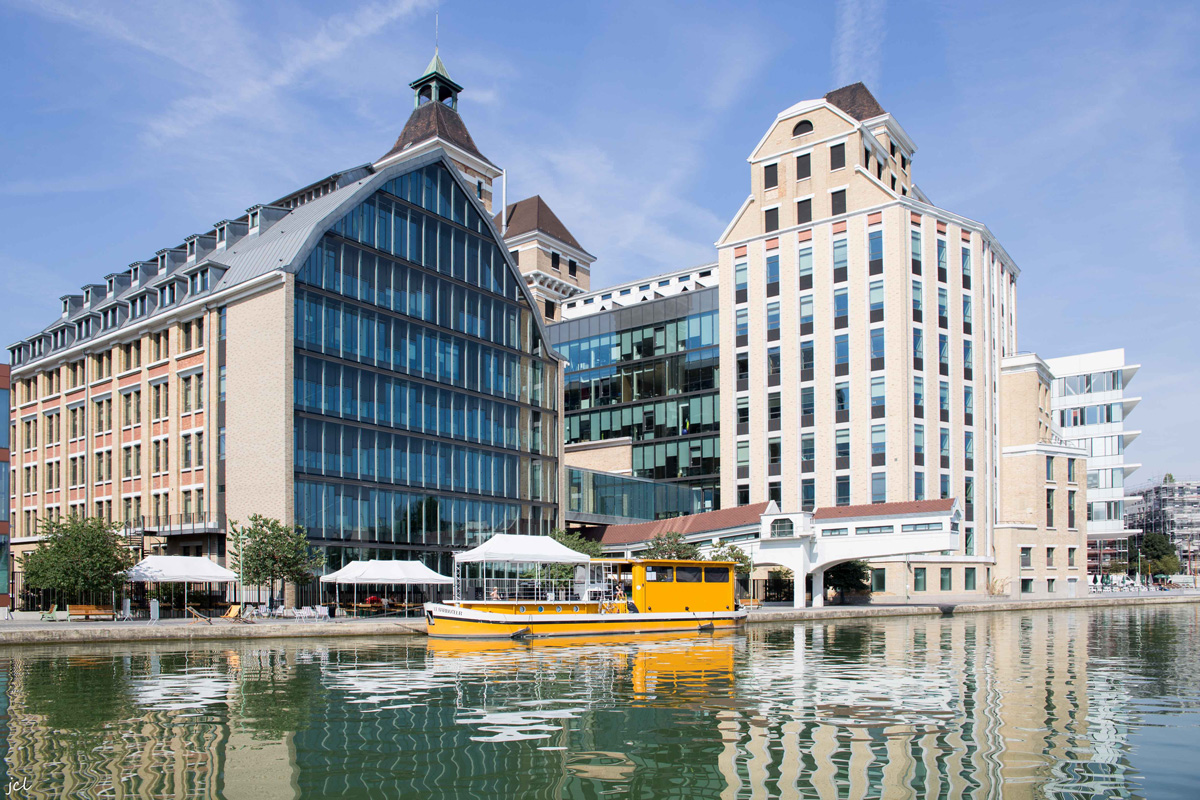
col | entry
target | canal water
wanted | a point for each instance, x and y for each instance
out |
(1055, 704)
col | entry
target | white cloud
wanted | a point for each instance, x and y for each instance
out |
(858, 37)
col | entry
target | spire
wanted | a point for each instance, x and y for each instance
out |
(436, 85)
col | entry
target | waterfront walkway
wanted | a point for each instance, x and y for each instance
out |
(27, 632)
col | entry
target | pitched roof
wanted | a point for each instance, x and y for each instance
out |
(436, 67)
(532, 214)
(885, 509)
(430, 120)
(857, 101)
(735, 517)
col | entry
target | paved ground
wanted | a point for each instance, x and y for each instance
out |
(26, 632)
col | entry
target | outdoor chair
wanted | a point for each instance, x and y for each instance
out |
(50, 616)
(234, 614)
(305, 613)
(322, 612)
(197, 617)
(126, 611)
(278, 611)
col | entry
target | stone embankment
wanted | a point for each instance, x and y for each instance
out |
(53, 633)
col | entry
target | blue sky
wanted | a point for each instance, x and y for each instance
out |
(1063, 126)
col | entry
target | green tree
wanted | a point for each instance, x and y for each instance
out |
(1158, 555)
(731, 552)
(578, 542)
(1168, 478)
(849, 576)
(671, 545)
(78, 555)
(266, 551)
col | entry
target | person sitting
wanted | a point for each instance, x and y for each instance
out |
(494, 594)
(373, 600)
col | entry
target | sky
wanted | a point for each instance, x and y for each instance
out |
(1064, 127)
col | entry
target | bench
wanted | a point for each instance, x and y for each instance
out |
(87, 612)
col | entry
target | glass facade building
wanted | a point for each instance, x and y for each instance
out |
(649, 372)
(610, 499)
(425, 398)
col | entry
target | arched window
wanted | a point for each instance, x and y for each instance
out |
(781, 527)
(802, 127)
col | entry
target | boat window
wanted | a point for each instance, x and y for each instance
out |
(687, 574)
(716, 574)
(660, 574)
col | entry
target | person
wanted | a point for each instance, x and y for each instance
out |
(372, 600)
(495, 594)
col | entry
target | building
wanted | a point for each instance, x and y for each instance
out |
(642, 380)
(1171, 508)
(361, 357)
(554, 264)
(1091, 406)
(864, 328)
(7, 433)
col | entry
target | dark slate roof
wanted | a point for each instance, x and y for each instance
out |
(722, 519)
(431, 120)
(857, 101)
(885, 509)
(532, 214)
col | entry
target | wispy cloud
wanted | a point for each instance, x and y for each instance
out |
(858, 37)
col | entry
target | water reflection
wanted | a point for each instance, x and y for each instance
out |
(1048, 704)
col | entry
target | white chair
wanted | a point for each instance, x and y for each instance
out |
(305, 613)
(279, 611)
(322, 612)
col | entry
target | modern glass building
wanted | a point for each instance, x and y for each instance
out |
(641, 392)
(603, 498)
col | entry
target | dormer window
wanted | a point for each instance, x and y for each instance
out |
(111, 283)
(66, 306)
(802, 127)
(191, 248)
(220, 234)
(166, 295)
(87, 297)
(133, 276)
(199, 282)
(253, 219)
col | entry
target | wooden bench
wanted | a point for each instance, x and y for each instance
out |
(87, 612)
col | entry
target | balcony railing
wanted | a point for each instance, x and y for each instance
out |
(173, 524)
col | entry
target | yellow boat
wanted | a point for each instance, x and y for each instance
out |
(532, 586)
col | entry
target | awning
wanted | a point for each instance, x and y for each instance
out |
(179, 569)
(386, 572)
(510, 548)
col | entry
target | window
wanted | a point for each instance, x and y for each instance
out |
(841, 349)
(919, 579)
(879, 440)
(743, 454)
(878, 580)
(878, 487)
(572, 268)
(945, 487)
(808, 494)
(916, 297)
(918, 345)
(969, 579)
(743, 322)
(1071, 470)
(1071, 510)
(968, 445)
(967, 308)
(966, 263)
(803, 211)
(743, 410)
(968, 403)
(687, 574)
(806, 309)
(943, 350)
(1050, 585)
(804, 265)
(837, 156)
(841, 443)
(773, 269)
(843, 490)
(803, 166)
(1050, 468)
(1049, 556)
(919, 486)
(941, 259)
(877, 391)
(770, 176)
(222, 324)
(807, 401)
(918, 391)
(775, 450)
(773, 361)
(875, 251)
(944, 396)
(774, 406)
(876, 299)
(743, 496)
(919, 439)
(968, 355)
(773, 316)
(716, 574)
(808, 448)
(1026, 585)
(841, 396)
(555, 260)
(802, 127)
(549, 309)
(1071, 556)
(771, 220)
(876, 345)
(841, 303)
(840, 259)
(916, 252)
(837, 202)
(1026, 557)
(946, 579)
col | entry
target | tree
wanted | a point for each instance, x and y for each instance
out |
(849, 576)
(1168, 478)
(1158, 555)
(577, 542)
(731, 552)
(78, 555)
(266, 550)
(671, 545)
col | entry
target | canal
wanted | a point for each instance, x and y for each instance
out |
(1058, 704)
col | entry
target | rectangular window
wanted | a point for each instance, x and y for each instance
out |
(770, 176)
(803, 211)
(837, 156)
(944, 442)
(804, 261)
(774, 361)
(840, 256)
(875, 250)
(879, 440)
(945, 487)
(918, 344)
(803, 166)
(878, 580)
(969, 579)
(807, 400)
(1071, 470)
(806, 309)
(1071, 556)
(919, 486)
(842, 497)
(918, 391)
(878, 487)
(808, 448)
(916, 297)
(743, 410)
(743, 322)
(966, 262)
(773, 269)
(875, 296)
(771, 220)
(743, 454)
(944, 396)
(841, 396)
(967, 308)
(808, 494)
(773, 316)
(946, 578)
(841, 349)
(919, 579)
(876, 344)
(969, 542)
(877, 391)
(841, 443)
(916, 252)
(919, 439)
(1026, 557)
(841, 303)
(941, 259)
(741, 276)
(837, 202)
(1026, 585)
(774, 450)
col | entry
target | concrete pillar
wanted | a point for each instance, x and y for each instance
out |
(818, 588)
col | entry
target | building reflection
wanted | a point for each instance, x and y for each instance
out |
(985, 705)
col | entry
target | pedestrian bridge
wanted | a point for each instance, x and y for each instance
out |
(812, 542)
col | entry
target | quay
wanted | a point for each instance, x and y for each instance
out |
(21, 632)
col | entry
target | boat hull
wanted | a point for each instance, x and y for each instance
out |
(454, 622)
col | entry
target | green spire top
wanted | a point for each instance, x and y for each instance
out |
(436, 85)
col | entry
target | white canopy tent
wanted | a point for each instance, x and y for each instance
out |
(516, 549)
(179, 569)
(377, 572)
